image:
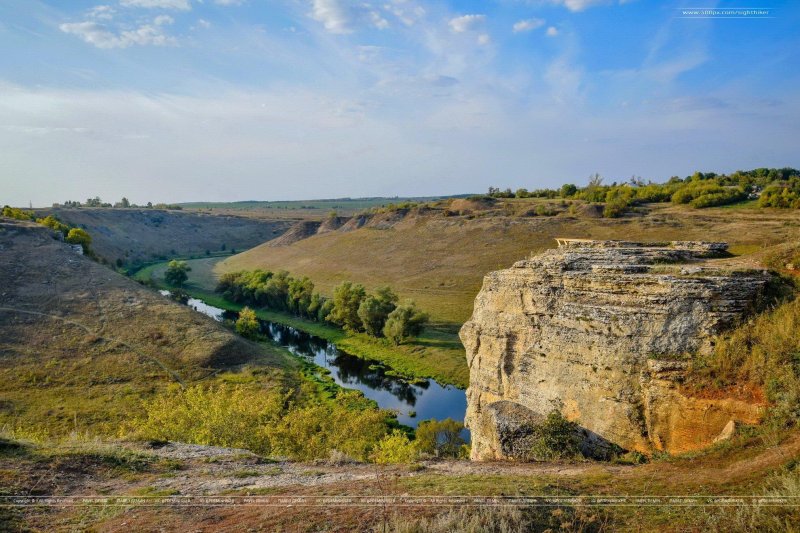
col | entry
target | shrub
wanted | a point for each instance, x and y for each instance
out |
(265, 422)
(441, 438)
(18, 214)
(53, 223)
(79, 236)
(404, 322)
(176, 273)
(247, 324)
(555, 438)
(395, 448)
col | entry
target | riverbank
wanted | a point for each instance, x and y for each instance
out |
(435, 354)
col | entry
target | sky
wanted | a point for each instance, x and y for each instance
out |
(223, 100)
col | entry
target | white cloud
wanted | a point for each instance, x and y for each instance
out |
(332, 15)
(163, 20)
(466, 22)
(229, 2)
(484, 39)
(552, 31)
(527, 25)
(203, 23)
(340, 16)
(579, 5)
(182, 5)
(102, 37)
(101, 12)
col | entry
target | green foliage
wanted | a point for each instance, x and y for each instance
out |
(278, 423)
(18, 214)
(347, 298)
(53, 223)
(785, 194)
(404, 322)
(176, 273)
(395, 448)
(568, 190)
(441, 438)
(555, 438)
(247, 324)
(375, 309)
(79, 236)
(300, 292)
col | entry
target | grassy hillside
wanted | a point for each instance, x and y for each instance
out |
(135, 236)
(440, 260)
(82, 346)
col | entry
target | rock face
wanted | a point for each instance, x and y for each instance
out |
(599, 330)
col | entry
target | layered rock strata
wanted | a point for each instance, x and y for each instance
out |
(598, 330)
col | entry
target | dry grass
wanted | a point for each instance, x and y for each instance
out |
(440, 261)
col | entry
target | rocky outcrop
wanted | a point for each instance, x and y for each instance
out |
(599, 330)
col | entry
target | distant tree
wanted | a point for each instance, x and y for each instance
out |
(404, 322)
(124, 203)
(176, 274)
(79, 236)
(247, 323)
(347, 299)
(568, 190)
(375, 309)
(149, 205)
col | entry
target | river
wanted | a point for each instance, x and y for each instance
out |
(413, 402)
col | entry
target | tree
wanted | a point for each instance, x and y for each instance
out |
(441, 438)
(247, 323)
(176, 273)
(347, 299)
(79, 236)
(300, 293)
(375, 309)
(404, 322)
(568, 190)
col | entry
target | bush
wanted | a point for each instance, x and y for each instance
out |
(555, 438)
(79, 236)
(53, 223)
(441, 438)
(404, 322)
(247, 324)
(395, 448)
(265, 422)
(176, 273)
(18, 214)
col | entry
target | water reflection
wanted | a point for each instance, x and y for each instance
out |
(425, 399)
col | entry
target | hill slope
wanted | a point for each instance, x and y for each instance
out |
(139, 235)
(440, 260)
(81, 346)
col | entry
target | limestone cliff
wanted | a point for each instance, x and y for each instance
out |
(598, 330)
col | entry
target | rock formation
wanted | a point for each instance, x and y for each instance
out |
(600, 330)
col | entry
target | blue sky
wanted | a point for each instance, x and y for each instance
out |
(178, 100)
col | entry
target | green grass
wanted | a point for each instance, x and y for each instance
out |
(436, 353)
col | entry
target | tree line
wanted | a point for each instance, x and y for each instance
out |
(124, 203)
(772, 187)
(378, 314)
